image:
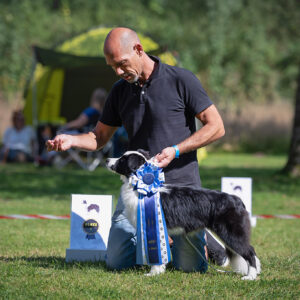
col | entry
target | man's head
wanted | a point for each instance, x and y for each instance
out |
(18, 119)
(124, 53)
(98, 99)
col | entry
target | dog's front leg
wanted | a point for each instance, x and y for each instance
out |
(156, 270)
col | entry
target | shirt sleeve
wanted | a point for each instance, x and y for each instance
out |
(90, 112)
(195, 97)
(110, 115)
(5, 140)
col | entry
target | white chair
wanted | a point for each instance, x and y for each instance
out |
(86, 160)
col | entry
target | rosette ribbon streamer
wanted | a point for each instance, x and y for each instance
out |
(152, 237)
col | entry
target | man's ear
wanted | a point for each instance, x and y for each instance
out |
(139, 49)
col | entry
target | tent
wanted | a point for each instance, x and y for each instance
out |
(64, 78)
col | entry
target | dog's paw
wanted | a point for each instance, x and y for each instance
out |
(150, 274)
(251, 275)
(156, 270)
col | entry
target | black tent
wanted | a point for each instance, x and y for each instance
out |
(64, 78)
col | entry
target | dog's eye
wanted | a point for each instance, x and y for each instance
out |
(122, 159)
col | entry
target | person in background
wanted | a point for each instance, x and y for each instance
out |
(90, 116)
(120, 142)
(45, 132)
(19, 141)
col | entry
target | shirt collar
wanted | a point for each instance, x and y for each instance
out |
(156, 72)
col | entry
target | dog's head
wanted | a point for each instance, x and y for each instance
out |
(128, 163)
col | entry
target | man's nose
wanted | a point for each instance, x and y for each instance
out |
(119, 71)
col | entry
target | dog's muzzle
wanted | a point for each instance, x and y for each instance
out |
(110, 163)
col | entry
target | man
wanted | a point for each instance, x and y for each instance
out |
(157, 104)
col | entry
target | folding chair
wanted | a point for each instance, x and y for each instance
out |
(86, 160)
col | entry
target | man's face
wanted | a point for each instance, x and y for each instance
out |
(126, 64)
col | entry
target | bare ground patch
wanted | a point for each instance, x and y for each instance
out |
(258, 124)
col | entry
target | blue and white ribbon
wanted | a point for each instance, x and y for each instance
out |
(152, 237)
(148, 179)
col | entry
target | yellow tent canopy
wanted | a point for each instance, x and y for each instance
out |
(64, 78)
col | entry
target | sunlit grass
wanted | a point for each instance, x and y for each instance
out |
(32, 252)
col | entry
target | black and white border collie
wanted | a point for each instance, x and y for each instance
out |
(187, 210)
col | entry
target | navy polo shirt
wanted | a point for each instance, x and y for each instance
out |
(160, 114)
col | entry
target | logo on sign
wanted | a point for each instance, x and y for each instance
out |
(90, 227)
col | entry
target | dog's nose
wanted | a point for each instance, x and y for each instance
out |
(107, 161)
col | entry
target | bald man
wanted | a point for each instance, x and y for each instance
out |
(157, 104)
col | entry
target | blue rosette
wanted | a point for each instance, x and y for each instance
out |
(148, 179)
(152, 237)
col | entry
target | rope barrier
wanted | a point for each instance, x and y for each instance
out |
(66, 217)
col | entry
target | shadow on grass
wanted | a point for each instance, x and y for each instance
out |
(22, 181)
(59, 263)
(53, 262)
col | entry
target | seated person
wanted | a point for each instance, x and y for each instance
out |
(120, 142)
(45, 132)
(90, 116)
(19, 141)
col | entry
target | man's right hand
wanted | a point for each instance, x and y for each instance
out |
(61, 142)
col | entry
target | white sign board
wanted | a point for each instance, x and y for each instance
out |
(90, 225)
(241, 187)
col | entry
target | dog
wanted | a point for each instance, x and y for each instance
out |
(223, 214)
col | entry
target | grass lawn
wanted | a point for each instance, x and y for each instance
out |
(32, 252)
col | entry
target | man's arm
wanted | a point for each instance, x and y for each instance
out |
(90, 141)
(79, 122)
(213, 129)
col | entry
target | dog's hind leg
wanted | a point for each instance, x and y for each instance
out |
(244, 263)
(238, 249)
(250, 257)
(237, 263)
(258, 265)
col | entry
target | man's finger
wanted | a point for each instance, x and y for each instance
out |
(49, 145)
(159, 157)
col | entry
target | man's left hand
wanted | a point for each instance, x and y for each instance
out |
(165, 157)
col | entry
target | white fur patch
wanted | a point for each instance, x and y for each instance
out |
(239, 265)
(130, 200)
(252, 274)
(226, 262)
(156, 270)
(134, 152)
(258, 265)
(111, 162)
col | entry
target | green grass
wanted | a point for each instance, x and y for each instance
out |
(32, 252)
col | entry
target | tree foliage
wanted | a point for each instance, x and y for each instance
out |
(240, 49)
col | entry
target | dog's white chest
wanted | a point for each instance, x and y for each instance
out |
(130, 201)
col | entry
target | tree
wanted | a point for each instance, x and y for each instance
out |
(292, 166)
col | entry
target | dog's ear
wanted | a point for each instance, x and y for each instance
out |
(145, 153)
(134, 162)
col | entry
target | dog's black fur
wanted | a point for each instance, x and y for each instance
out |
(193, 209)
